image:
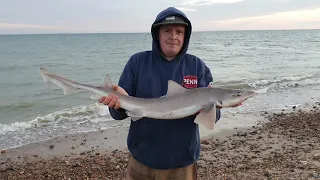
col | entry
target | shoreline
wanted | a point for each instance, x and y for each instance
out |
(282, 144)
(112, 139)
(69, 145)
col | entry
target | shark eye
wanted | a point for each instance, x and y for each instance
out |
(237, 94)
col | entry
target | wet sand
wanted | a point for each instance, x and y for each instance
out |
(283, 145)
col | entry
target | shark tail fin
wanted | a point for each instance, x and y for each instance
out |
(45, 74)
(48, 76)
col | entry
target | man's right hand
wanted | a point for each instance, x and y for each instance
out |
(112, 100)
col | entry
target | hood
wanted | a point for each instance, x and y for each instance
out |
(161, 16)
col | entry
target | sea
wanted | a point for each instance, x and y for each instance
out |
(282, 65)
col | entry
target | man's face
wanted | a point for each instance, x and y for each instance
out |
(171, 38)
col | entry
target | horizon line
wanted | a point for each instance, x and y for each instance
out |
(69, 33)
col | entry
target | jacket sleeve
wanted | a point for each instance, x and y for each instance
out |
(203, 81)
(126, 81)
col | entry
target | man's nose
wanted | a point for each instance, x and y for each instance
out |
(174, 35)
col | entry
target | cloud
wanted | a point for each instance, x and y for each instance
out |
(95, 27)
(39, 16)
(249, 8)
(36, 28)
(207, 2)
(280, 20)
(185, 9)
(27, 26)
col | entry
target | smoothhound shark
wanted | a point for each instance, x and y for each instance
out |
(178, 103)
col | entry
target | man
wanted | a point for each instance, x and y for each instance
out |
(162, 149)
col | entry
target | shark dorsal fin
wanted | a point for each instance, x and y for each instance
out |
(175, 88)
(107, 82)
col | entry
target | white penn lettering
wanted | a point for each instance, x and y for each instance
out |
(190, 81)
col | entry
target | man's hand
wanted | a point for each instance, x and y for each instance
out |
(112, 100)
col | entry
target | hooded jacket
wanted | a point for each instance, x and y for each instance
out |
(163, 144)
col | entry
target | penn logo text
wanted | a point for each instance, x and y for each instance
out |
(190, 81)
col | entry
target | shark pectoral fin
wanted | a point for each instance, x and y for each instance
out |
(207, 117)
(135, 115)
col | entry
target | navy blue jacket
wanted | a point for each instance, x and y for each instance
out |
(162, 144)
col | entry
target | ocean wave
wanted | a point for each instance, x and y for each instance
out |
(81, 119)
(23, 105)
(286, 82)
(274, 84)
(16, 126)
(62, 118)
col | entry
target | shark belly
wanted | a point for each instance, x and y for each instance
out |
(171, 112)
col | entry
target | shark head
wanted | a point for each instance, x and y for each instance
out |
(233, 97)
(226, 97)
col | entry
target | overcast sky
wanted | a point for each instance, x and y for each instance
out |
(67, 16)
